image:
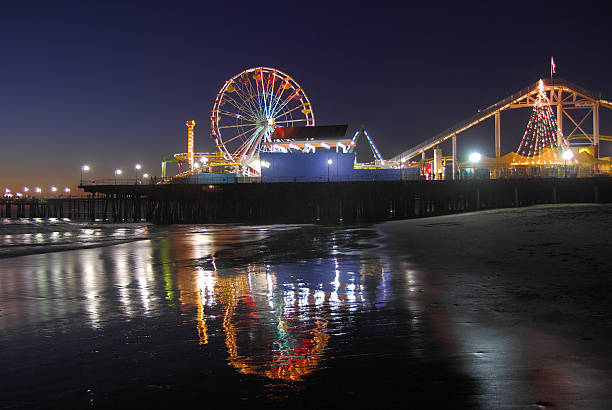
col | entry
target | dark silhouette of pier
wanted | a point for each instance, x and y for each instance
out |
(329, 203)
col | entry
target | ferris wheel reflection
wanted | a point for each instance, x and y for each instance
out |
(277, 321)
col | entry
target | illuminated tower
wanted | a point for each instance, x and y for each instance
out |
(190, 127)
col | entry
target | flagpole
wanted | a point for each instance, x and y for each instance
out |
(553, 69)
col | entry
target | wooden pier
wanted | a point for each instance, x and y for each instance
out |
(329, 203)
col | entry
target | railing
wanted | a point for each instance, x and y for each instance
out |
(125, 181)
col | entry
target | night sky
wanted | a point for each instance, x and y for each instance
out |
(112, 85)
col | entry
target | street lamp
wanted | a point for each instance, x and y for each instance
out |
(137, 166)
(84, 168)
(329, 162)
(117, 172)
(67, 191)
(53, 189)
(567, 156)
(38, 190)
(475, 157)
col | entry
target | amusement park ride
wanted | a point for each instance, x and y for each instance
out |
(258, 110)
(263, 110)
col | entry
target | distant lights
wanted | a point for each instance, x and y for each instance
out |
(66, 190)
(37, 190)
(26, 189)
(475, 157)
(118, 172)
(53, 189)
(85, 167)
(137, 166)
(145, 175)
(329, 161)
(264, 164)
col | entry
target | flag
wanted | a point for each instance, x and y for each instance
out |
(553, 67)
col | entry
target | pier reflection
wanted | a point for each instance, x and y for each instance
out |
(276, 321)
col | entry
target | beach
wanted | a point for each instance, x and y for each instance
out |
(529, 293)
(495, 309)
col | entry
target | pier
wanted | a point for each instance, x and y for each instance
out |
(334, 202)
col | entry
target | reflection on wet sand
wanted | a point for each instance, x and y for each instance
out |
(275, 320)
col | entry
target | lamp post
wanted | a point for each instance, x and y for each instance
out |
(137, 166)
(38, 191)
(67, 191)
(84, 168)
(475, 158)
(145, 176)
(329, 162)
(567, 156)
(117, 172)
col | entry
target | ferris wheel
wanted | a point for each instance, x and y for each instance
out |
(250, 106)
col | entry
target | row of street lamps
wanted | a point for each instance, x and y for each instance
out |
(37, 190)
(118, 172)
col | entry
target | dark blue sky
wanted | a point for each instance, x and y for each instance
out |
(113, 84)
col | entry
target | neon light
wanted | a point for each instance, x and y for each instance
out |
(382, 161)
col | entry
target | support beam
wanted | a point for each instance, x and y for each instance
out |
(497, 134)
(454, 157)
(560, 119)
(596, 130)
(437, 162)
(423, 163)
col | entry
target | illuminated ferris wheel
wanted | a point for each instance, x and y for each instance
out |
(250, 106)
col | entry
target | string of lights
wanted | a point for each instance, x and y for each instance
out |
(541, 131)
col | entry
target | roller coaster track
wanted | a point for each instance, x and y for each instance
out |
(508, 102)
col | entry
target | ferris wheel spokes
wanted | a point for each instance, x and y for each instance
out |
(240, 107)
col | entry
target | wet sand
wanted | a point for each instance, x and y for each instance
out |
(497, 309)
(528, 295)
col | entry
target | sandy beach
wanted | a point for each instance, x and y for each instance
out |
(528, 294)
(504, 309)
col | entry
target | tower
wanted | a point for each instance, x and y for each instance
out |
(190, 127)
